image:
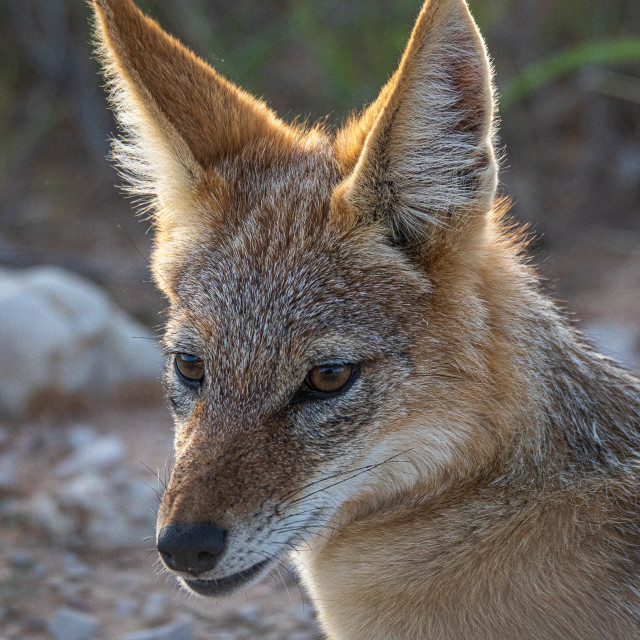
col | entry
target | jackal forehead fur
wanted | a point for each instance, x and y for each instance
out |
(262, 306)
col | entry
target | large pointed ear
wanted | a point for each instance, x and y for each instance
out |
(181, 121)
(421, 157)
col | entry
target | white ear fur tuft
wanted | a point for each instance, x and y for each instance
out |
(158, 168)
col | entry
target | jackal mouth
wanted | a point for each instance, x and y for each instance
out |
(224, 586)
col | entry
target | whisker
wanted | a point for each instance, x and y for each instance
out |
(311, 484)
(277, 568)
(295, 579)
(156, 473)
(355, 475)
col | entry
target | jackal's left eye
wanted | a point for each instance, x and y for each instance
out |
(190, 368)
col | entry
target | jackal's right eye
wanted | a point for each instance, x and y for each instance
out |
(189, 368)
(327, 381)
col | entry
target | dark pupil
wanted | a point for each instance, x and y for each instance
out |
(191, 367)
(329, 377)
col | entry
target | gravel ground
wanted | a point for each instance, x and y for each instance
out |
(77, 500)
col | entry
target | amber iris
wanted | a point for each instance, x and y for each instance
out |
(190, 368)
(329, 378)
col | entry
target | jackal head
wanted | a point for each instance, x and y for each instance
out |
(324, 321)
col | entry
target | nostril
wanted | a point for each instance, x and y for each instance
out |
(191, 548)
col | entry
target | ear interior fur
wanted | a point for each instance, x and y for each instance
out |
(424, 148)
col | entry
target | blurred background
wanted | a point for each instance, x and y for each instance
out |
(568, 72)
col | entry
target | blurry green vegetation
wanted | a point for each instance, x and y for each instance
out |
(355, 46)
(568, 72)
(607, 52)
(340, 52)
(350, 48)
(9, 68)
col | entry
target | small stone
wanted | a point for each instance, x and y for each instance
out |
(125, 607)
(92, 456)
(10, 507)
(107, 515)
(22, 558)
(304, 614)
(181, 629)
(155, 608)
(81, 603)
(70, 591)
(39, 571)
(250, 613)
(67, 624)
(73, 568)
(34, 623)
(45, 512)
(8, 478)
(81, 436)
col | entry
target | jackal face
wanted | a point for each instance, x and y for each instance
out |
(302, 357)
(317, 307)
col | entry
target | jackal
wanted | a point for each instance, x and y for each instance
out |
(362, 369)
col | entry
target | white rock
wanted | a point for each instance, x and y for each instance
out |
(60, 333)
(181, 629)
(87, 492)
(21, 557)
(67, 624)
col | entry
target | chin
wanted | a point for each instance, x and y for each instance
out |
(229, 584)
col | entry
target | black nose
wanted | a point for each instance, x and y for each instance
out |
(193, 548)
